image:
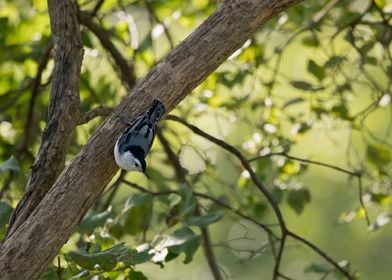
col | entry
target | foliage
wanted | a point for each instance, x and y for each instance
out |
(315, 82)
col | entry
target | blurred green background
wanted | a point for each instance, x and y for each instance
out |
(314, 83)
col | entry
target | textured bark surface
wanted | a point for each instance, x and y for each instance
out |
(63, 110)
(26, 253)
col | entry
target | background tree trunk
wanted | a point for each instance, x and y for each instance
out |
(63, 109)
(28, 251)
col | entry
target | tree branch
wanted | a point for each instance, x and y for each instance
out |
(64, 102)
(126, 69)
(96, 112)
(36, 82)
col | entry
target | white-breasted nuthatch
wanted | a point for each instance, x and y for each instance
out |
(135, 142)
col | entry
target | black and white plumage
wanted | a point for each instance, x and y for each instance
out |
(135, 142)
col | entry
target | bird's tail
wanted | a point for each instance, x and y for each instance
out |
(156, 111)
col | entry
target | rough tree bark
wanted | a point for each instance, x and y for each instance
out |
(64, 102)
(30, 249)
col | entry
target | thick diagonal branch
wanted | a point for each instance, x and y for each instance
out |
(27, 252)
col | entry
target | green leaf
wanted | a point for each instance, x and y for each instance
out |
(316, 70)
(381, 198)
(136, 212)
(311, 41)
(318, 268)
(297, 199)
(5, 214)
(293, 101)
(105, 260)
(333, 61)
(183, 240)
(93, 220)
(92, 261)
(378, 155)
(203, 221)
(188, 202)
(136, 275)
(11, 164)
(305, 86)
(49, 274)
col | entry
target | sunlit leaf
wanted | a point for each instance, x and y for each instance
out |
(191, 160)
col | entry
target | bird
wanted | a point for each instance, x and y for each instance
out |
(135, 142)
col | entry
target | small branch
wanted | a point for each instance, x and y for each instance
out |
(208, 251)
(100, 111)
(279, 256)
(173, 158)
(238, 213)
(144, 190)
(126, 69)
(96, 8)
(35, 85)
(321, 253)
(308, 161)
(59, 271)
(284, 276)
(154, 16)
(113, 188)
(360, 193)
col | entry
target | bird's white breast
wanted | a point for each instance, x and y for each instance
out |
(126, 160)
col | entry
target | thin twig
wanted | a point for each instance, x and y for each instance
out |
(59, 269)
(96, 8)
(321, 253)
(126, 69)
(208, 251)
(156, 18)
(238, 213)
(113, 190)
(172, 157)
(279, 256)
(23, 146)
(283, 154)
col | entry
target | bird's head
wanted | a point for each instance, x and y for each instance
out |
(140, 165)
